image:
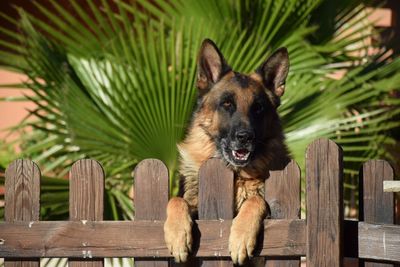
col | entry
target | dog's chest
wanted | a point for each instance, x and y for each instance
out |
(245, 188)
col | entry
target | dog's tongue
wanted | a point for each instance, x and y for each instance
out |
(242, 152)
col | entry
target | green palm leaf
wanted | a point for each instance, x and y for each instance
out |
(120, 88)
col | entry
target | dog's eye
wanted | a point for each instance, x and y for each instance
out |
(227, 104)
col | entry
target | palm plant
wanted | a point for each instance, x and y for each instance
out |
(116, 82)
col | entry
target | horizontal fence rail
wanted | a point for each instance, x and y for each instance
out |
(324, 238)
(379, 241)
(144, 239)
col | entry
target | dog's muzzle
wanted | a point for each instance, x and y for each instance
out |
(238, 150)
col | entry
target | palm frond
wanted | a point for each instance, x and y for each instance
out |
(116, 82)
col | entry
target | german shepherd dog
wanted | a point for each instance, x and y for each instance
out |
(236, 120)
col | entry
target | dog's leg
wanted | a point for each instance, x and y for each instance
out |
(245, 228)
(178, 229)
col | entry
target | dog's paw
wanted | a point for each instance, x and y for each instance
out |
(178, 237)
(242, 241)
(178, 230)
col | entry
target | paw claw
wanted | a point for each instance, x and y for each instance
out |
(180, 256)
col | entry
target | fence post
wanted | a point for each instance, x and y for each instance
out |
(86, 203)
(151, 198)
(376, 206)
(324, 195)
(282, 193)
(22, 200)
(216, 199)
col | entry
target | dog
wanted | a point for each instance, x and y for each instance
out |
(236, 120)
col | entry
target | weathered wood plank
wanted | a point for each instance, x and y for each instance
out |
(282, 192)
(86, 202)
(144, 239)
(22, 194)
(391, 186)
(376, 206)
(86, 191)
(216, 185)
(324, 183)
(216, 200)
(22, 200)
(379, 242)
(374, 172)
(151, 197)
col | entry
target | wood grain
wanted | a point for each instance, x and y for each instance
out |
(22, 194)
(142, 239)
(216, 185)
(377, 206)
(22, 200)
(86, 239)
(216, 200)
(379, 242)
(324, 190)
(86, 198)
(151, 197)
(282, 192)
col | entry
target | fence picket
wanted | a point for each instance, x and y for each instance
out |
(324, 196)
(86, 194)
(282, 193)
(23, 238)
(151, 198)
(216, 200)
(377, 206)
(22, 200)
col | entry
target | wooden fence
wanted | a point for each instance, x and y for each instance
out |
(324, 237)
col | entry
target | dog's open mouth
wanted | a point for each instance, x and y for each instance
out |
(237, 156)
(241, 154)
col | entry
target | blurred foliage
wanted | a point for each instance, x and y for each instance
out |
(7, 154)
(115, 82)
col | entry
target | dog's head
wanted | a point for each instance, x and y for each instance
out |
(238, 111)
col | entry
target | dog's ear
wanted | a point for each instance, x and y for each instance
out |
(274, 70)
(211, 66)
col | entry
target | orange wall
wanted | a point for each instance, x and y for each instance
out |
(11, 113)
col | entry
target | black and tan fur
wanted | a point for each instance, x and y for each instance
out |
(236, 120)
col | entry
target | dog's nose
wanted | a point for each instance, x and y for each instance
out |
(244, 136)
